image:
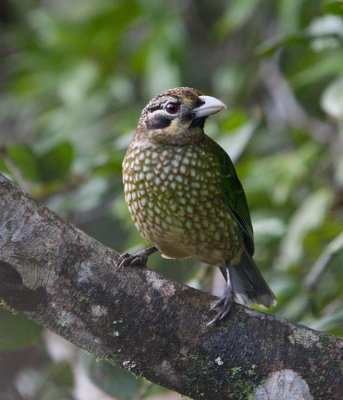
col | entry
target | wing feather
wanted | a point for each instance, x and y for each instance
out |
(234, 196)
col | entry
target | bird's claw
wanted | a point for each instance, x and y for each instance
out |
(216, 304)
(226, 301)
(127, 259)
(137, 259)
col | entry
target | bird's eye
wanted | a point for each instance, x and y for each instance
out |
(172, 108)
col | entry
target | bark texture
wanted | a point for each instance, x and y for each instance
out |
(139, 320)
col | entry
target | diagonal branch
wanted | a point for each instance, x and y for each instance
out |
(138, 320)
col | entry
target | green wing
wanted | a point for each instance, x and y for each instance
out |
(234, 196)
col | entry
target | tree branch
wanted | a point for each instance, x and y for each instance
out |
(138, 320)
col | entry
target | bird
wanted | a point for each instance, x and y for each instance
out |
(185, 197)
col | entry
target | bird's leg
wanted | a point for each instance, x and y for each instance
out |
(223, 270)
(140, 258)
(226, 298)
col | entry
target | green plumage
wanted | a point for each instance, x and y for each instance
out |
(234, 196)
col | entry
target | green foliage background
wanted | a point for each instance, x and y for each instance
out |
(74, 78)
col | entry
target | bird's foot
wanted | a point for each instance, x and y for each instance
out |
(137, 259)
(225, 301)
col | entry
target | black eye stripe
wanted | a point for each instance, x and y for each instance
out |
(199, 103)
(158, 122)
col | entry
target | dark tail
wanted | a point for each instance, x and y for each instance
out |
(249, 285)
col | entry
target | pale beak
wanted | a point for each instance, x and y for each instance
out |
(211, 106)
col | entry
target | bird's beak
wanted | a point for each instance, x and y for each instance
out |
(210, 106)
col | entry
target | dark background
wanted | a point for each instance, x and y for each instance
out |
(75, 76)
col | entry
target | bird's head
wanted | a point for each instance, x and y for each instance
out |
(177, 116)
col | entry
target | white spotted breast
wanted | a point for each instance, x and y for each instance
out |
(175, 200)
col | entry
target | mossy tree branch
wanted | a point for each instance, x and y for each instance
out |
(138, 320)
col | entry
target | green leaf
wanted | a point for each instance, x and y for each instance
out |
(268, 48)
(24, 159)
(112, 380)
(16, 331)
(333, 7)
(56, 163)
(234, 120)
(315, 70)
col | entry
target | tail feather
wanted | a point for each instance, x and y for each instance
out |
(249, 285)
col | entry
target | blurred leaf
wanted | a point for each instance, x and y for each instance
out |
(122, 89)
(278, 175)
(285, 286)
(290, 15)
(334, 247)
(62, 373)
(112, 380)
(236, 142)
(113, 165)
(234, 120)
(333, 7)
(77, 82)
(102, 28)
(327, 322)
(28, 382)
(228, 81)
(309, 215)
(268, 227)
(24, 159)
(85, 197)
(339, 170)
(295, 306)
(235, 15)
(268, 48)
(56, 163)
(3, 166)
(332, 99)
(323, 67)
(326, 32)
(16, 331)
(51, 382)
(161, 72)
